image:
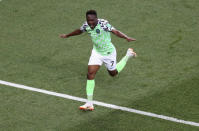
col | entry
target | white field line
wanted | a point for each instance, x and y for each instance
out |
(100, 103)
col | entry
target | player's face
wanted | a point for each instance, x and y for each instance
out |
(92, 21)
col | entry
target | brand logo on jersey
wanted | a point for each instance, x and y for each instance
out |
(97, 31)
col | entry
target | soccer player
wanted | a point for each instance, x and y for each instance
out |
(103, 51)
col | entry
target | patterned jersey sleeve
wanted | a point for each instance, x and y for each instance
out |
(106, 25)
(83, 27)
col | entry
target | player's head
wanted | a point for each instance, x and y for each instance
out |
(91, 17)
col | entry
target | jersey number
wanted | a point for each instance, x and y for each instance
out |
(112, 62)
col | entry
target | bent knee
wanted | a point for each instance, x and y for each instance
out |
(91, 75)
(113, 73)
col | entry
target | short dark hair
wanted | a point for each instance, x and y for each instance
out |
(91, 12)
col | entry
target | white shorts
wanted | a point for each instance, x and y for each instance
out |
(109, 61)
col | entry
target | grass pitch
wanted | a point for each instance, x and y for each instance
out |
(163, 79)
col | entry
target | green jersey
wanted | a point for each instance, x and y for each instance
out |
(100, 36)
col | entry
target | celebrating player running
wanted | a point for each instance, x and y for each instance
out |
(103, 51)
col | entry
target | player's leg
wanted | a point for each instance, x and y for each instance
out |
(93, 66)
(92, 70)
(110, 63)
(120, 65)
(113, 68)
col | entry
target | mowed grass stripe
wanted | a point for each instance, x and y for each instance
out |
(100, 103)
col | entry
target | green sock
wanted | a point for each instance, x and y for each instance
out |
(89, 89)
(120, 66)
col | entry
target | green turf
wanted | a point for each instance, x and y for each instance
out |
(35, 111)
(163, 79)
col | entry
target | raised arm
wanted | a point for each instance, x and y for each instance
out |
(122, 35)
(75, 32)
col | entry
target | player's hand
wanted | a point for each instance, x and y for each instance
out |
(129, 39)
(63, 36)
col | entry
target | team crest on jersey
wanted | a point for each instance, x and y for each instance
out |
(97, 31)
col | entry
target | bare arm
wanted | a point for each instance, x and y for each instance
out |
(75, 32)
(122, 35)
